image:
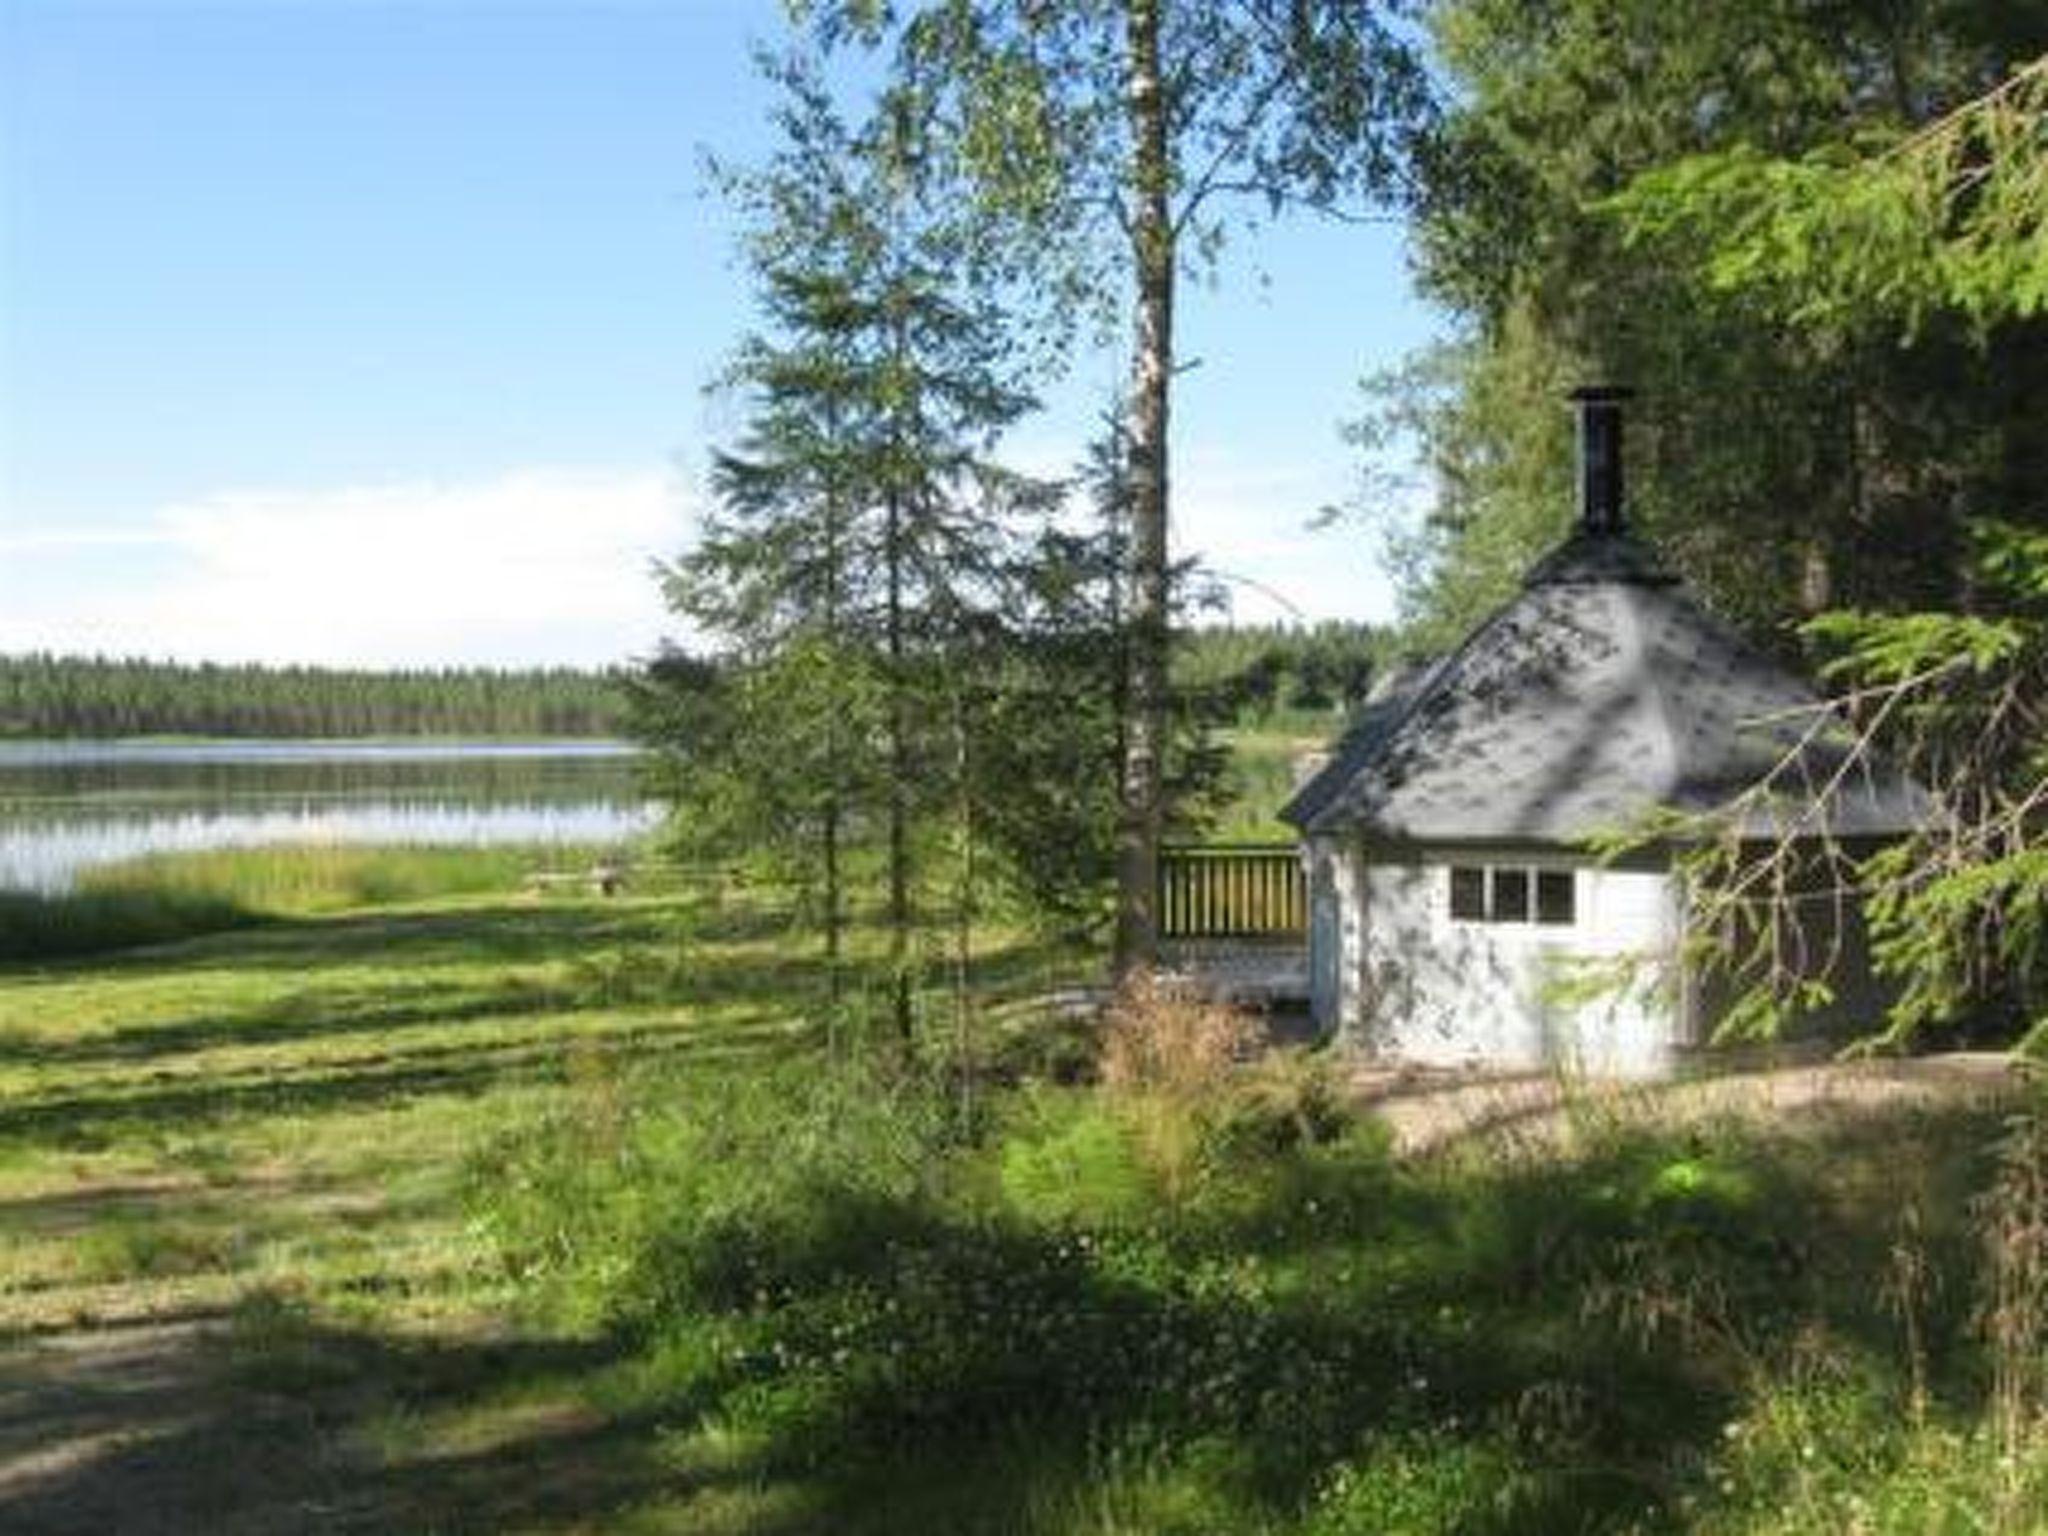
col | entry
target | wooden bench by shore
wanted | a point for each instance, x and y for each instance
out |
(599, 880)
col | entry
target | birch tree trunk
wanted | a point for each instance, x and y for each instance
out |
(1152, 238)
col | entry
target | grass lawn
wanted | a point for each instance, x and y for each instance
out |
(240, 1287)
(496, 1214)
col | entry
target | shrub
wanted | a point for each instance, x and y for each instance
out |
(1075, 1162)
(1159, 1039)
(1420, 1484)
(1169, 1058)
(1286, 1099)
(1821, 1456)
(1275, 1327)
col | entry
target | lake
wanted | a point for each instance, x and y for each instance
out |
(67, 805)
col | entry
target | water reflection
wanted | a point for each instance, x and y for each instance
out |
(67, 805)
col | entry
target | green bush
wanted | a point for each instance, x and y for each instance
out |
(1075, 1161)
(1419, 1484)
(1817, 1457)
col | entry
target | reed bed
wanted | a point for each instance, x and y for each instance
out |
(160, 897)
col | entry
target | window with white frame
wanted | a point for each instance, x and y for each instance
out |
(1513, 893)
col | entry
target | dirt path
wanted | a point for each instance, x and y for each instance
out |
(130, 1428)
(162, 1429)
(1432, 1111)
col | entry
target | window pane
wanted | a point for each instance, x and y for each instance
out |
(1556, 896)
(1511, 895)
(1468, 895)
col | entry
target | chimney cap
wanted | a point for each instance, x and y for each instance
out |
(1601, 510)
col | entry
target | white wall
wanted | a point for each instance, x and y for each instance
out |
(1594, 995)
(1336, 918)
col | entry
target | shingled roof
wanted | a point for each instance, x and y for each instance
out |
(1601, 693)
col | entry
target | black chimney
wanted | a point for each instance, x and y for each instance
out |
(1600, 493)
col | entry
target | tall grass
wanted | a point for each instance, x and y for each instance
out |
(1059, 1319)
(40, 927)
(297, 878)
(156, 898)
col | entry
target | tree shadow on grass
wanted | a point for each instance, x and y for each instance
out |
(472, 934)
(1584, 1330)
(344, 1008)
(917, 1373)
(507, 931)
(317, 1012)
(275, 1423)
(99, 1118)
(865, 1363)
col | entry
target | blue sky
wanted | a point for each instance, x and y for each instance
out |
(360, 332)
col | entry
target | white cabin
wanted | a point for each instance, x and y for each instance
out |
(1457, 915)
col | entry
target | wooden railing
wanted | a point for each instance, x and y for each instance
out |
(1232, 891)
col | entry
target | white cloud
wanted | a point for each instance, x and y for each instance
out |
(537, 565)
(38, 540)
(1250, 522)
(540, 565)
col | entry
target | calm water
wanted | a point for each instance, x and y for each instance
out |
(65, 805)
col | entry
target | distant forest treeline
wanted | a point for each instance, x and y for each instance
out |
(46, 695)
(1259, 671)
(1252, 671)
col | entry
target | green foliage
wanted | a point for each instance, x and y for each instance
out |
(1031, 114)
(126, 1247)
(633, 1209)
(1789, 1323)
(48, 695)
(1818, 1458)
(1049, 718)
(1951, 218)
(850, 584)
(758, 759)
(1078, 1164)
(1098, 151)
(1665, 1331)
(1880, 649)
(1045, 718)
(1431, 1484)
(1957, 912)
(1968, 938)
(1281, 672)
(1830, 295)
(1782, 467)
(1478, 424)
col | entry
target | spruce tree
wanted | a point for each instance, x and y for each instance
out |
(860, 521)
